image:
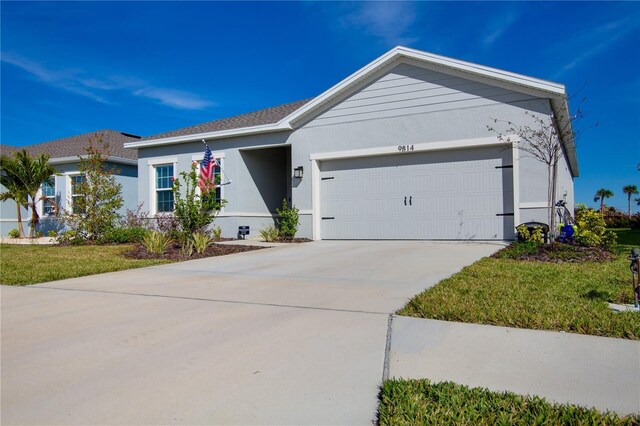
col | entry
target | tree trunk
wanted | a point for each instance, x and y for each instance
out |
(20, 227)
(550, 211)
(602, 205)
(629, 210)
(34, 218)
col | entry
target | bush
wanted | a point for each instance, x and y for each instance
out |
(156, 242)
(534, 234)
(14, 233)
(52, 233)
(289, 220)
(201, 241)
(217, 233)
(269, 234)
(39, 234)
(71, 237)
(617, 221)
(193, 212)
(123, 236)
(135, 219)
(592, 230)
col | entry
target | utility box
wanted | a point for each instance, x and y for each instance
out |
(242, 232)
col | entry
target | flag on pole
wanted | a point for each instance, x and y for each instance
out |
(207, 179)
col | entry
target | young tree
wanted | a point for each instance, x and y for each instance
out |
(601, 195)
(630, 190)
(194, 210)
(28, 175)
(14, 191)
(545, 138)
(98, 199)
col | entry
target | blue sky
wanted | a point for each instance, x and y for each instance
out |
(148, 67)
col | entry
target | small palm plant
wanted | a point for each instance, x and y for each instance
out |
(630, 190)
(601, 195)
(201, 241)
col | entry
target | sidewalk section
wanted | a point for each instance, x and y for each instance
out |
(562, 367)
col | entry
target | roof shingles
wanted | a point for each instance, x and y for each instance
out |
(74, 146)
(251, 119)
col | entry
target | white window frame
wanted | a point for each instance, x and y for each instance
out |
(68, 192)
(219, 156)
(152, 164)
(40, 196)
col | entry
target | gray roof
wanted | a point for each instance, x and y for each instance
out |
(74, 146)
(251, 119)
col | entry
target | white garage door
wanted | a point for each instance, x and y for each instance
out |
(457, 194)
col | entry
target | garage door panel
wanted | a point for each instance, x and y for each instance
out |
(454, 194)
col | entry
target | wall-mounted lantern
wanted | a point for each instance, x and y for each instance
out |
(297, 172)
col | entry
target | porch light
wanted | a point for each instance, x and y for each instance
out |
(297, 172)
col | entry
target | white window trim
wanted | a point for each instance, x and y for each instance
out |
(67, 193)
(152, 164)
(40, 206)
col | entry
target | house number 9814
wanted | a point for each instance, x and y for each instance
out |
(405, 148)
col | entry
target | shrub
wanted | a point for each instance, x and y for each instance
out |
(186, 250)
(269, 234)
(193, 212)
(592, 230)
(123, 236)
(617, 221)
(156, 242)
(71, 237)
(135, 218)
(534, 234)
(52, 233)
(14, 233)
(289, 220)
(217, 233)
(39, 234)
(201, 241)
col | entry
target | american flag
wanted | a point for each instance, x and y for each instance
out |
(207, 179)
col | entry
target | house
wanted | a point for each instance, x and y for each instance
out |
(65, 156)
(398, 150)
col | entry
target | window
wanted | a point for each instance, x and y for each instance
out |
(49, 194)
(77, 199)
(164, 185)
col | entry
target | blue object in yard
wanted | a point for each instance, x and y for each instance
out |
(566, 234)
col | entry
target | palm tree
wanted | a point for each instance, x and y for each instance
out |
(630, 190)
(601, 195)
(29, 174)
(14, 192)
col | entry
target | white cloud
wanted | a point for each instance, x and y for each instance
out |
(174, 98)
(75, 81)
(499, 26)
(596, 41)
(389, 20)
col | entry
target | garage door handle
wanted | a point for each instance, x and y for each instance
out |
(405, 201)
(410, 201)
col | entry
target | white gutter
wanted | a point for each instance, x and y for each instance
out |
(243, 131)
(76, 158)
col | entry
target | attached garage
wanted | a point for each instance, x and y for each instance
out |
(446, 194)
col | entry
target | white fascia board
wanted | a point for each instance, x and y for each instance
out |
(542, 87)
(561, 110)
(75, 159)
(268, 128)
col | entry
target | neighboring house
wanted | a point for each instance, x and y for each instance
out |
(398, 150)
(64, 156)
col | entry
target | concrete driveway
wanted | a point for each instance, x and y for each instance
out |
(286, 335)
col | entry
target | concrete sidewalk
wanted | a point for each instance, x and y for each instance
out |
(562, 367)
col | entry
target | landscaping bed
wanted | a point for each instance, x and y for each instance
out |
(174, 252)
(420, 402)
(556, 252)
(562, 296)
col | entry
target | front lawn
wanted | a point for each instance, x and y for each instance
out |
(31, 264)
(568, 297)
(419, 402)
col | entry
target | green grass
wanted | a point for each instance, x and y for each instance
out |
(568, 297)
(31, 264)
(419, 402)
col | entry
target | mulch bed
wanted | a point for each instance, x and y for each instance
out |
(556, 253)
(174, 252)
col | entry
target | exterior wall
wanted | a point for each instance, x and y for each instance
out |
(260, 178)
(126, 176)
